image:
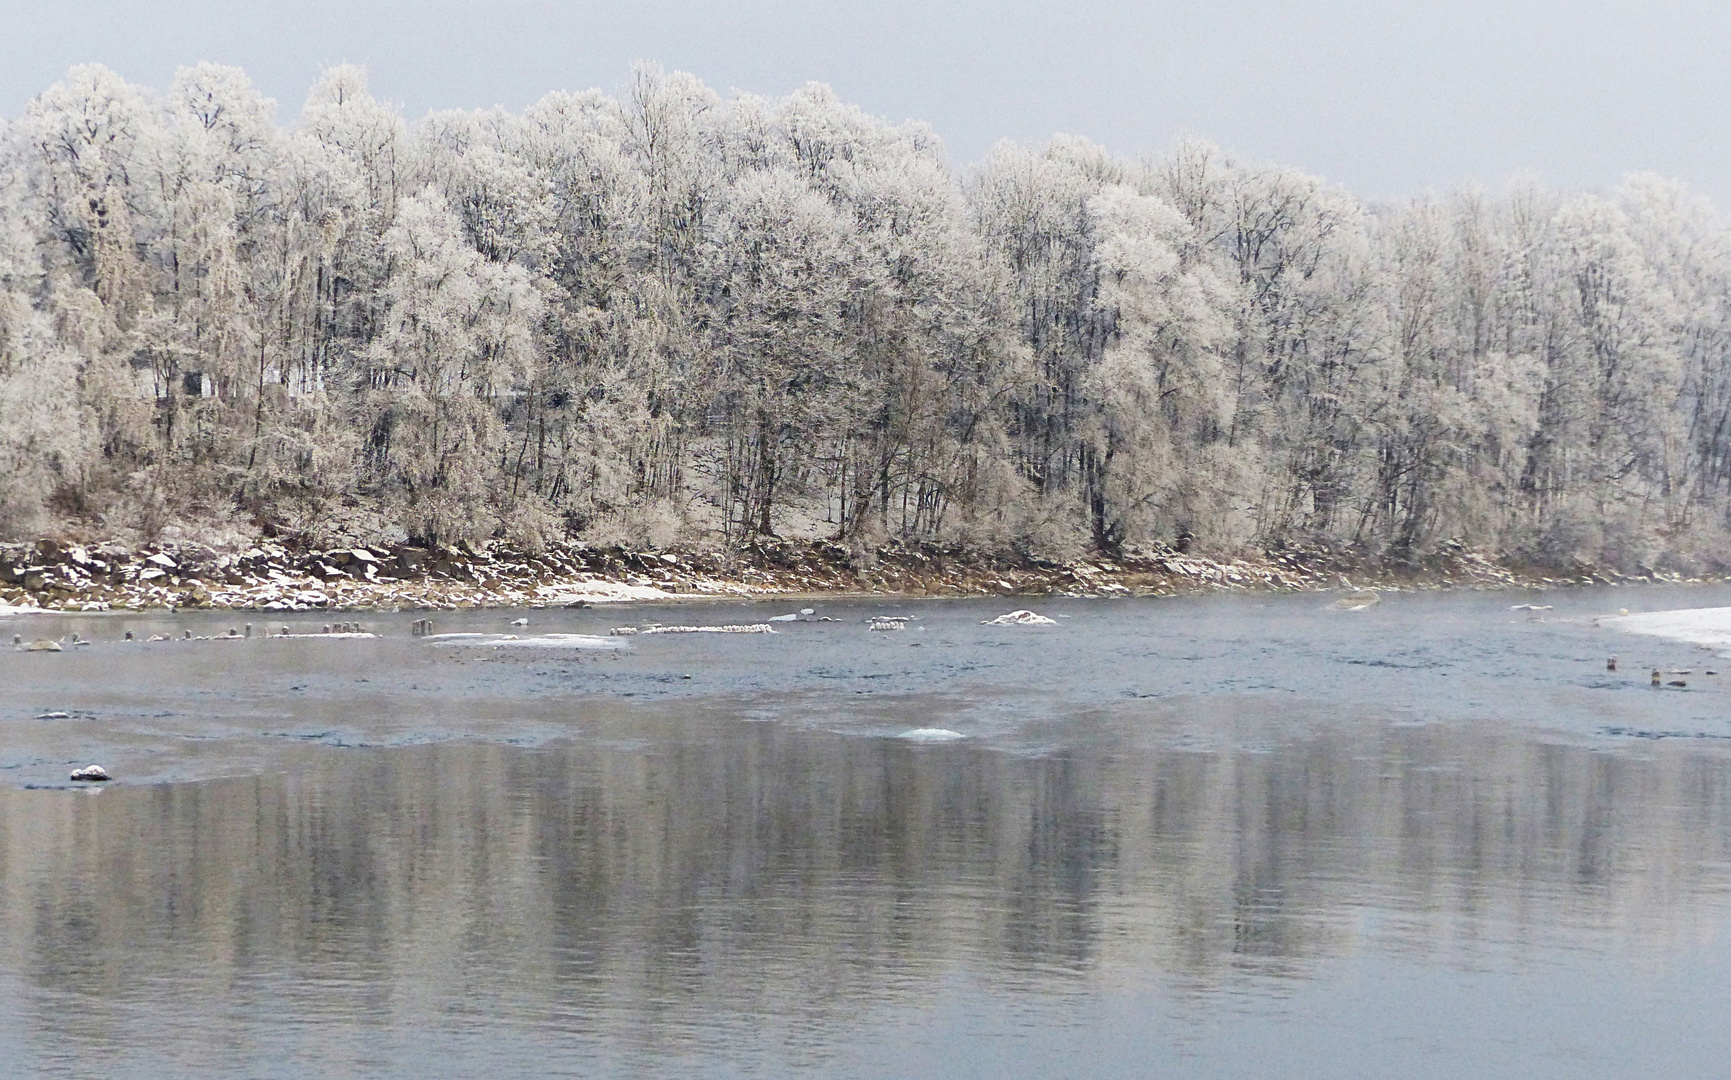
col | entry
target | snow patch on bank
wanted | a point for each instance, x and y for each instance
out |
(1710, 627)
(19, 609)
(601, 592)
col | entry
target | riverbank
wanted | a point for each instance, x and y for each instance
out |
(271, 577)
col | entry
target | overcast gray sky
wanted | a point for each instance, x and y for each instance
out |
(1386, 98)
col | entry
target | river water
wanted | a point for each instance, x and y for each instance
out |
(1212, 837)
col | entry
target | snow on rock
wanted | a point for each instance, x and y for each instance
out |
(1021, 617)
(18, 609)
(931, 734)
(1698, 626)
(93, 774)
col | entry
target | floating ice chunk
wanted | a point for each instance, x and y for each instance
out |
(561, 641)
(93, 774)
(732, 628)
(1020, 617)
(1357, 601)
(784, 618)
(539, 641)
(1698, 626)
(931, 734)
(55, 715)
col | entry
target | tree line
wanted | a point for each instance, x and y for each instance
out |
(673, 318)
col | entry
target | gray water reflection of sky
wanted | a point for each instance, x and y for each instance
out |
(1384, 98)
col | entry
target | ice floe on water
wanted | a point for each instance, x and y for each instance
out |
(931, 734)
(1020, 618)
(538, 641)
(1357, 600)
(657, 628)
(563, 641)
(1710, 627)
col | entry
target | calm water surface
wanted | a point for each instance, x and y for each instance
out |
(1222, 837)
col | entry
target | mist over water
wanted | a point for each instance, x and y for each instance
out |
(1214, 837)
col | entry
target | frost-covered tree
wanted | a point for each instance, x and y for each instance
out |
(458, 335)
(667, 316)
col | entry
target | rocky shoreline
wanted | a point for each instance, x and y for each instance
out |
(52, 575)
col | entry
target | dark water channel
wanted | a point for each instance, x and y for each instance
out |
(1223, 837)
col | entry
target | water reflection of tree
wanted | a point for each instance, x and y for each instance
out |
(805, 878)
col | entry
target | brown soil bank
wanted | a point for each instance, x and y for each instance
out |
(271, 577)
